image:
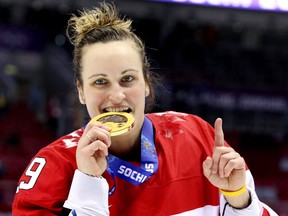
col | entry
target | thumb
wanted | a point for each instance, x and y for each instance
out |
(207, 167)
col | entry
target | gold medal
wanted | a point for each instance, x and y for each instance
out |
(119, 122)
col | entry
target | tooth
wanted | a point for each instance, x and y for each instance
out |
(117, 109)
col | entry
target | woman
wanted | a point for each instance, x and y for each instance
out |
(162, 164)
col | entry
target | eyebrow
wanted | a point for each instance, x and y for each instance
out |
(105, 75)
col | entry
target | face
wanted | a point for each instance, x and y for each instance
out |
(113, 80)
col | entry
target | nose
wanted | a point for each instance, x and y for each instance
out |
(116, 94)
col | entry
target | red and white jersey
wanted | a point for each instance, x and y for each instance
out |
(183, 141)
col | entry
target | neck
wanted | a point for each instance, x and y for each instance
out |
(126, 149)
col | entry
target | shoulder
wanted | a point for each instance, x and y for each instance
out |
(61, 150)
(177, 118)
(182, 127)
(64, 143)
(47, 169)
(180, 137)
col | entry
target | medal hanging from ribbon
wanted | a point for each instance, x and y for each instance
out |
(149, 160)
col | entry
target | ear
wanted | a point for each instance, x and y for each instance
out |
(80, 93)
(147, 91)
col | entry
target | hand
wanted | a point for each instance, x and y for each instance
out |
(92, 149)
(226, 169)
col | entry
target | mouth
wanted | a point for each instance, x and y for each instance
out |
(117, 109)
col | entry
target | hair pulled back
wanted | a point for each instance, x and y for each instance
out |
(103, 24)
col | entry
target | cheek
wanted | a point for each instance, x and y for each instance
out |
(93, 101)
(137, 95)
(96, 99)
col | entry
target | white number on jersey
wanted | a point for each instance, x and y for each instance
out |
(33, 173)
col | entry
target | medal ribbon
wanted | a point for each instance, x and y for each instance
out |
(149, 160)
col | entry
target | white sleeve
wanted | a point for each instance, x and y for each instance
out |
(255, 208)
(88, 195)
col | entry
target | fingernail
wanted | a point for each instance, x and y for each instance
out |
(107, 127)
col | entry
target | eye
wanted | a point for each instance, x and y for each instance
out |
(100, 81)
(127, 79)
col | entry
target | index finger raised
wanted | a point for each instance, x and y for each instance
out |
(219, 135)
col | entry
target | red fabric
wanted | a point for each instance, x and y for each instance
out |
(182, 143)
(265, 213)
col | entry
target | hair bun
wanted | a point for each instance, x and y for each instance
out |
(95, 19)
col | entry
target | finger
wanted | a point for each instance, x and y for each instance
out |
(90, 139)
(102, 134)
(99, 124)
(227, 163)
(96, 124)
(219, 135)
(235, 164)
(96, 133)
(97, 147)
(217, 154)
